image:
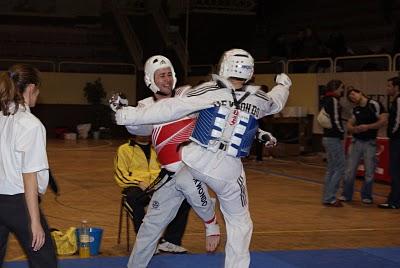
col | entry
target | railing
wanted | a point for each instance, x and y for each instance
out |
(310, 65)
(396, 58)
(270, 67)
(261, 67)
(43, 65)
(213, 6)
(363, 63)
(224, 5)
(201, 70)
(100, 67)
(131, 6)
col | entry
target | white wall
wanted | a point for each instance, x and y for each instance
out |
(67, 88)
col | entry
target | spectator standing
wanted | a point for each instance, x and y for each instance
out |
(393, 132)
(332, 142)
(367, 117)
(24, 172)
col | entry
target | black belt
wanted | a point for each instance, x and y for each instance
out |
(157, 183)
(223, 146)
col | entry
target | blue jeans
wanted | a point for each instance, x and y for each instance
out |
(365, 150)
(394, 167)
(334, 169)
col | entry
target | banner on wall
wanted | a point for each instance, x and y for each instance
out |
(382, 159)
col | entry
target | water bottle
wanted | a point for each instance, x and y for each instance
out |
(84, 240)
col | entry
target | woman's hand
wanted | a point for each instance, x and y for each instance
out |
(32, 203)
(38, 236)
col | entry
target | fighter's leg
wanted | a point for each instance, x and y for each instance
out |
(239, 226)
(161, 211)
(196, 193)
(233, 199)
(176, 229)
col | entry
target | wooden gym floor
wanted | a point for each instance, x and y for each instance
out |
(284, 203)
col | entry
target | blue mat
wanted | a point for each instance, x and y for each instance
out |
(343, 258)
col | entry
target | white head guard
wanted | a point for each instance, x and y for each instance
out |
(151, 66)
(236, 63)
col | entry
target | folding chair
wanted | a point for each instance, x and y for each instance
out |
(123, 210)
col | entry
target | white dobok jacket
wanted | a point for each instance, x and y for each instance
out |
(218, 92)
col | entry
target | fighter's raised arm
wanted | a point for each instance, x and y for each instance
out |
(276, 99)
(162, 111)
(280, 93)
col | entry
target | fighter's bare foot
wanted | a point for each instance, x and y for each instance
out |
(212, 242)
(213, 236)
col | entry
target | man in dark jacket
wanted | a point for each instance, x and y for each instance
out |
(393, 132)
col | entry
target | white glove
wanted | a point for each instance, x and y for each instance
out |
(272, 142)
(267, 138)
(283, 79)
(117, 101)
(125, 115)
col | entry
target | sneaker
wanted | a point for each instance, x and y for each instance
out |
(343, 198)
(366, 201)
(336, 204)
(388, 206)
(168, 247)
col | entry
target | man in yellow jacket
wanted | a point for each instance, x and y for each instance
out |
(136, 167)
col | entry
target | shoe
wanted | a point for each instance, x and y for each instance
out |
(336, 204)
(343, 198)
(168, 247)
(388, 206)
(366, 201)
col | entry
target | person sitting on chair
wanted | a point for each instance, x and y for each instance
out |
(135, 168)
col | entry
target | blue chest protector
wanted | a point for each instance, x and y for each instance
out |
(228, 129)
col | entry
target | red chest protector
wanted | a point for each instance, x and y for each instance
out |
(167, 137)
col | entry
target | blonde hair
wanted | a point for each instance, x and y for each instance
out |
(13, 83)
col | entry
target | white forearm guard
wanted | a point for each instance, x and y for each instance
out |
(126, 116)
